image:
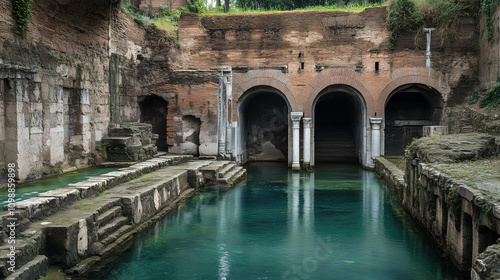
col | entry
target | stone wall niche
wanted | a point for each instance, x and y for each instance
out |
(154, 111)
(187, 136)
(264, 126)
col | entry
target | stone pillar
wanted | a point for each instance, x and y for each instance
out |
(375, 122)
(307, 142)
(296, 116)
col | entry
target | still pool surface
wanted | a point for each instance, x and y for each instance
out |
(339, 222)
(32, 189)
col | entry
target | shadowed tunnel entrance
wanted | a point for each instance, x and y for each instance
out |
(337, 127)
(407, 110)
(263, 115)
(154, 111)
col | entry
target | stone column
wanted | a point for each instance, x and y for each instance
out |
(307, 142)
(375, 122)
(296, 116)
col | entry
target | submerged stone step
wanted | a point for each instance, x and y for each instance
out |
(114, 236)
(223, 171)
(32, 270)
(105, 231)
(109, 215)
(232, 177)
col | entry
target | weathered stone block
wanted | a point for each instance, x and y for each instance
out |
(428, 131)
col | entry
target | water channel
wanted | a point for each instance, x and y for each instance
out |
(32, 189)
(339, 222)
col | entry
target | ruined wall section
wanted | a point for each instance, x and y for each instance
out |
(54, 82)
(309, 42)
(489, 51)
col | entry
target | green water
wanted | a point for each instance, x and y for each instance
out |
(32, 189)
(339, 222)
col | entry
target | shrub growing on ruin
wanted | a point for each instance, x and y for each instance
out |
(21, 10)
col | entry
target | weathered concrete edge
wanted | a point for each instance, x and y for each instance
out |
(96, 263)
(391, 174)
(486, 264)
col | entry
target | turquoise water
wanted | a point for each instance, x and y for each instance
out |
(32, 189)
(339, 222)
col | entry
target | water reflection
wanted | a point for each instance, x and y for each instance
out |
(337, 221)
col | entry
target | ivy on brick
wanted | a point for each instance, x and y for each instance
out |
(21, 10)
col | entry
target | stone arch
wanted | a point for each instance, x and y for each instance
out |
(263, 114)
(347, 77)
(245, 82)
(339, 116)
(425, 76)
(407, 109)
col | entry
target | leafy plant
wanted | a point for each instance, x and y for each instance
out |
(402, 17)
(21, 10)
(487, 7)
(490, 98)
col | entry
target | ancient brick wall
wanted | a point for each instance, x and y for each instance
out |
(309, 42)
(305, 55)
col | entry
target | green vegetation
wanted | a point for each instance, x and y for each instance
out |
(413, 15)
(487, 7)
(241, 7)
(489, 99)
(165, 20)
(21, 10)
(288, 5)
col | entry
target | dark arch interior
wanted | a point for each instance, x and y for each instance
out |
(335, 128)
(264, 122)
(406, 112)
(154, 111)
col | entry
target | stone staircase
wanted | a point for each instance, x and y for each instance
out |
(27, 263)
(85, 224)
(223, 173)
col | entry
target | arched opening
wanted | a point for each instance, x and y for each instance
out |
(263, 114)
(154, 111)
(338, 125)
(407, 110)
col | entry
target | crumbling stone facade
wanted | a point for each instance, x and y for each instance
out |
(82, 67)
(310, 58)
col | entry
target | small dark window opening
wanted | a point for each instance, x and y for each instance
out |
(302, 65)
(376, 66)
(300, 54)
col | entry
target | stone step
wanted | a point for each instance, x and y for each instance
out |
(210, 172)
(238, 177)
(32, 270)
(109, 215)
(25, 251)
(222, 172)
(110, 228)
(114, 236)
(231, 177)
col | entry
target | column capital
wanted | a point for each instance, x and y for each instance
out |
(375, 120)
(307, 122)
(296, 116)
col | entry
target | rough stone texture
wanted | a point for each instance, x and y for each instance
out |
(453, 148)
(32, 270)
(489, 58)
(452, 193)
(470, 118)
(487, 265)
(55, 80)
(130, 142)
